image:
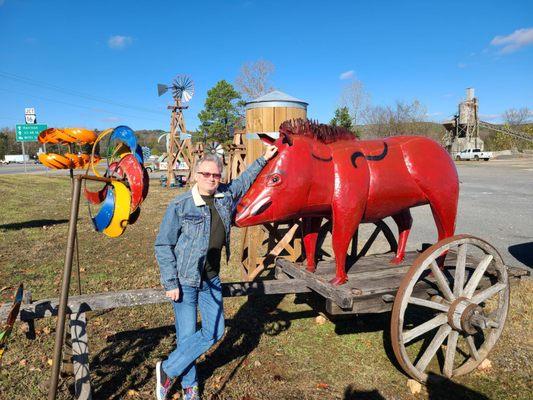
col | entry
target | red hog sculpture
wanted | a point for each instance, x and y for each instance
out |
(323, 171)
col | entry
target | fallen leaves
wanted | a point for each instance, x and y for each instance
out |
(485, 365)
(414, 386)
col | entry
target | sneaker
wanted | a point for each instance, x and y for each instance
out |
(163, 382)
(191, 393)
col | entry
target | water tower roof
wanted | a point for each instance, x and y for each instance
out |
(276, 98)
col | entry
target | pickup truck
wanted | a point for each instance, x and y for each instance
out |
(473, 154)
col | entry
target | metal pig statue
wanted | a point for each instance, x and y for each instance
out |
(324, 171)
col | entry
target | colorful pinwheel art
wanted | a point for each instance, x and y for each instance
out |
(66, 136)
(119, 200)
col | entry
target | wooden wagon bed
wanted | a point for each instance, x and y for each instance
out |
(372, 281)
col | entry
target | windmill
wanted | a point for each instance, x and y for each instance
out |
(214, 148)
(179, 143)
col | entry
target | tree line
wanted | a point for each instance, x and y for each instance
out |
(224, 111)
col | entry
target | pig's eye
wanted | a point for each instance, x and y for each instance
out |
(274, 180)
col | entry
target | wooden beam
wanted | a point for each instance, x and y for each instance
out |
(130, 298)
(341, 296)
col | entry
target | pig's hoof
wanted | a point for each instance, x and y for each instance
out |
(396, 260)
(338, 280)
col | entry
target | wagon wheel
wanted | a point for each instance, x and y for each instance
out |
(432, 307)
(353, 256)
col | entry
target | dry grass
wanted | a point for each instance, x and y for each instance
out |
(273, 349)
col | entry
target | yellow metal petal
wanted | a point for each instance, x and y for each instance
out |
(121, 212)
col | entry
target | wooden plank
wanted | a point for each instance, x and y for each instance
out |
(138, 297)
(341, 295)
(280, 116)
(80, 356)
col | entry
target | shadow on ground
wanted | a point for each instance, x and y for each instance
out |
(121, 361)
(36, 223)
(437, 387)
(523, 252)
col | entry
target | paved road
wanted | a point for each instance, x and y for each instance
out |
(495, 204)
(19, 168)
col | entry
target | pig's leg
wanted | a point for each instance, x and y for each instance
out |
(404, 222)
(311, 227)
(344, 226)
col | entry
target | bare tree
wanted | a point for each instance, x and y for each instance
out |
(254, 79)
(516, 117)
(356, 98)
(403, 118)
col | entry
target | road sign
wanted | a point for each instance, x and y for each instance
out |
(29, 132)
(30, 118)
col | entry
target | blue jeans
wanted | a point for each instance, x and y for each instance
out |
(192, 343)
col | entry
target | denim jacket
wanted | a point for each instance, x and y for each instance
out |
(183, 238)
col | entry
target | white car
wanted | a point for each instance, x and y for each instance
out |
(473, 154)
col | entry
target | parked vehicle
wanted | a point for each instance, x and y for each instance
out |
(15, 158)
(473, 154)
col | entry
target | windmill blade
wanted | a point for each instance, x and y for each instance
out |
(183, 88)
(219, 150)
(161, 89)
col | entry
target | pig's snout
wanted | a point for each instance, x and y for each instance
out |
(261, 206)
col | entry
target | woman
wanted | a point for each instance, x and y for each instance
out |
(188, 249)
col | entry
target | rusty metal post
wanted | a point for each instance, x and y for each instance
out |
(67, 270)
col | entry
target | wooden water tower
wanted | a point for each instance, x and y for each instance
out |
(264, 115)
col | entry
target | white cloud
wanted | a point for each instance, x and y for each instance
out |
(514, 41)
(347, 74)
(119, 42)
(462, 65)
(110, 119)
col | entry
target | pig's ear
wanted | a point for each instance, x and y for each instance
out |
(266, 139)
(286, 139)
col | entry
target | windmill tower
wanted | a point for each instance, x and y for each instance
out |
(179, 145)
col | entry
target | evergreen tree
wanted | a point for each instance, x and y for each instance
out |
(220, 112)
(342, 118)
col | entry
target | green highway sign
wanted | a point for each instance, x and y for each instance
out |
(29, 132)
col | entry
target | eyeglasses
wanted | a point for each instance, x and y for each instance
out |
(209, 175)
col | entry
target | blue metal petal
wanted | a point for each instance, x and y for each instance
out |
(105, 214)
(125, 135)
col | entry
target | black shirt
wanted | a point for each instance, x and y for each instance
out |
(217, 239)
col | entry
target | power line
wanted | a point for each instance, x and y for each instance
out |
(77, 105)
(34, 82)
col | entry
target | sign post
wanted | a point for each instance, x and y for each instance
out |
(28, 133)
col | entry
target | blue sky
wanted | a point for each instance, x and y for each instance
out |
(103, 54)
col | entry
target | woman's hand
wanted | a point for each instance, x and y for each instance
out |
(173, 294)
(270, 152)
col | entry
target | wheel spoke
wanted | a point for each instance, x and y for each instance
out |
(451, 346)
(459, 275)
(425, 327)
(488, 293)
(428, 303)
(477, 275)
(435, 344)
(472, 347)
(442, 282)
